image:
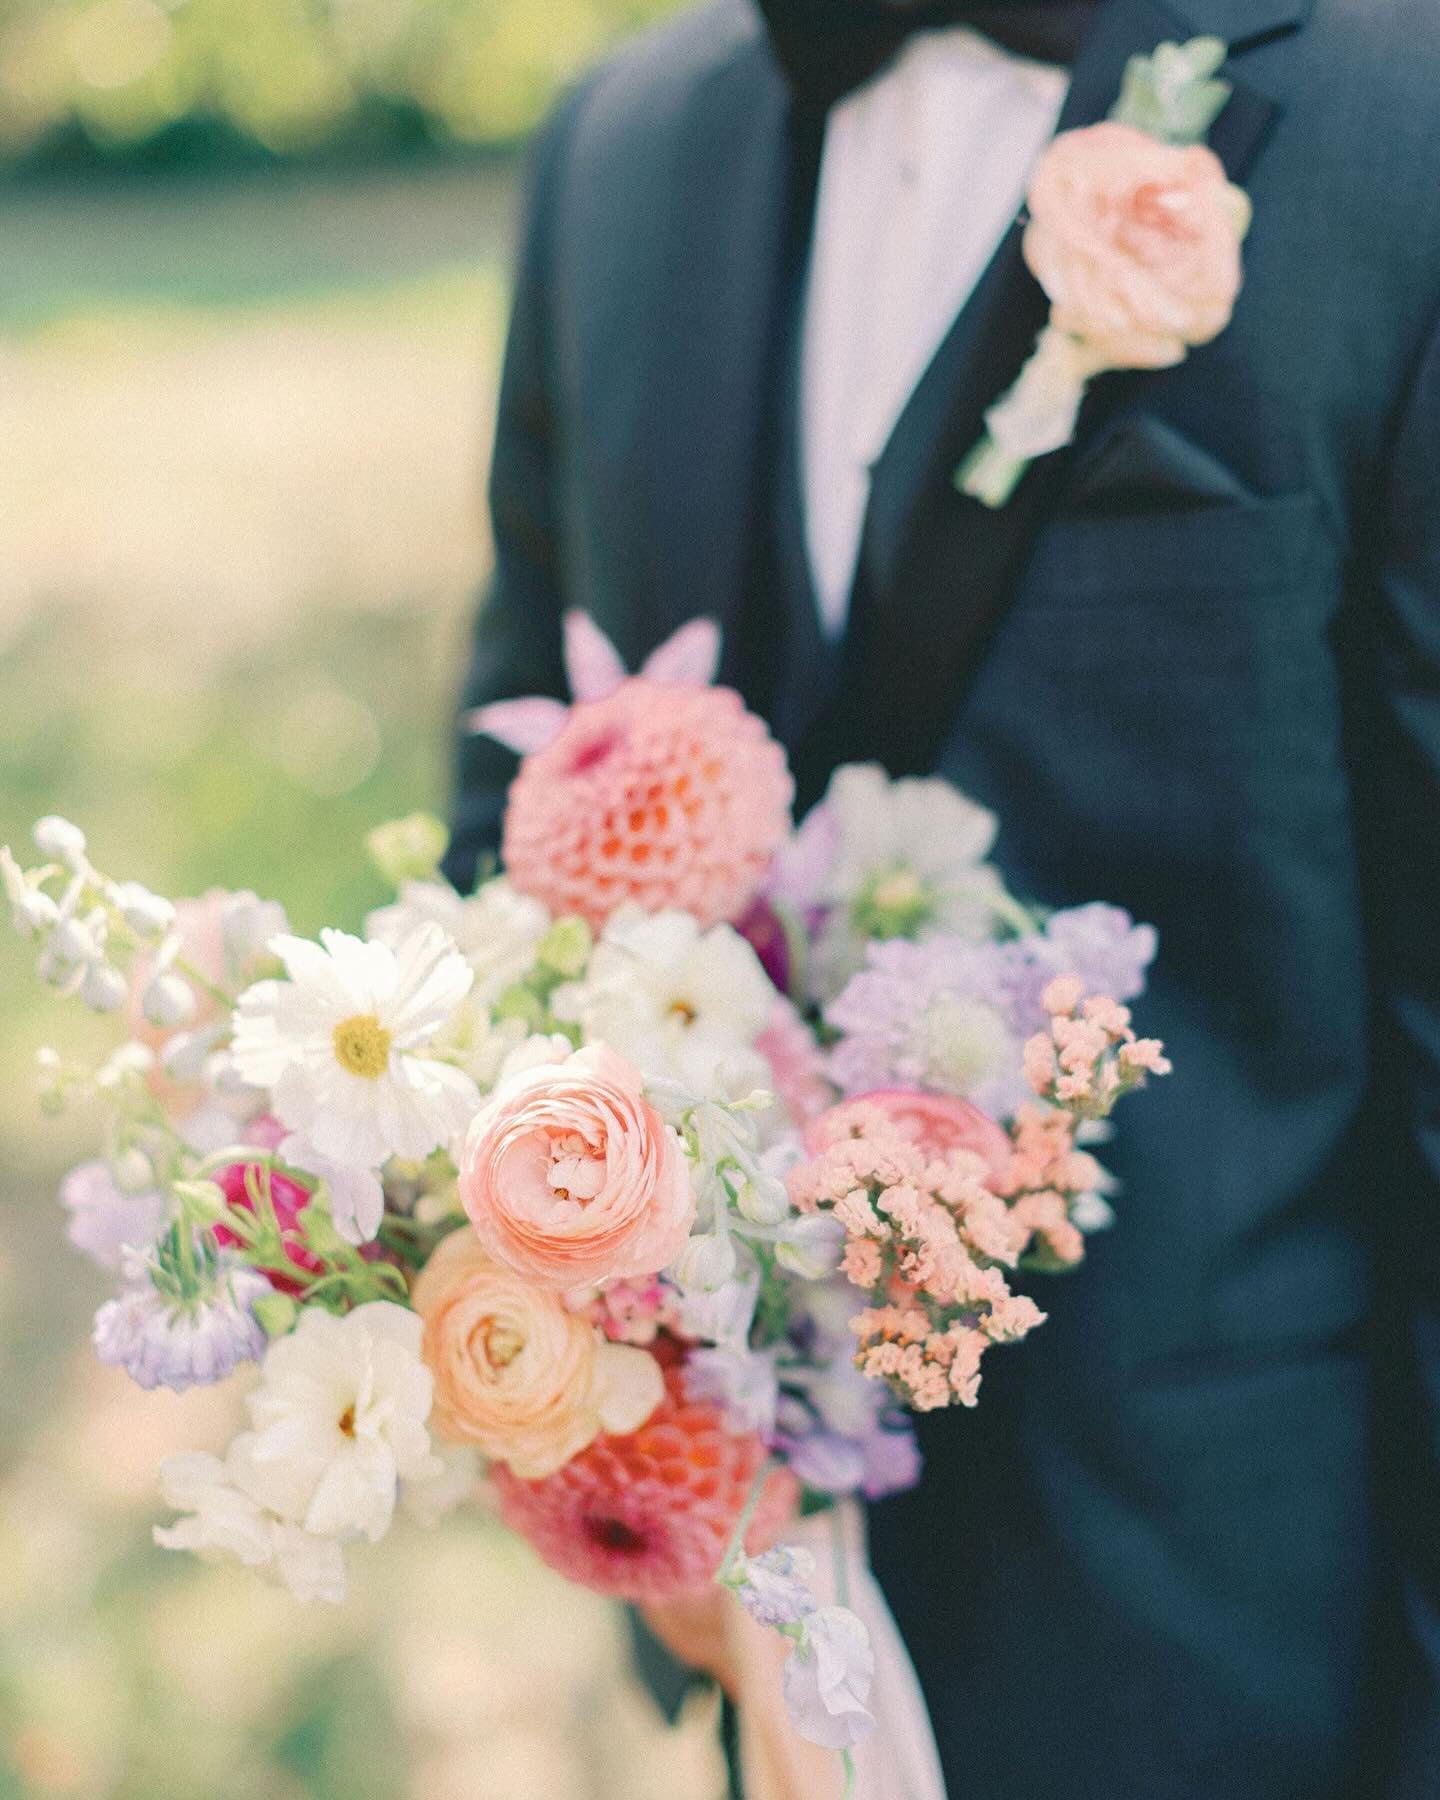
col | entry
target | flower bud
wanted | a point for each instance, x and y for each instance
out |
(128, 1063)
(763, 1200)
(275, 1314)
(810, 1246)
(565, 948)
(204, 1201)
(168, 1000)
(706, 1262)
(73, 942)
(59, 839)
(131, 1170)
(148, 915)
(408, 849)
(104, 988)
(59, 972)
(185, 1055)
(247, 924)
(35, 912)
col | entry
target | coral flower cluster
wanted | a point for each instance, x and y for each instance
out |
(1089, 1057)
(928, 1240)
(938, 1202)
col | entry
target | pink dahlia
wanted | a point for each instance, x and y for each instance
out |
(648, 1516)
(656, 788)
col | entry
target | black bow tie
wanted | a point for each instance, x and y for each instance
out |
(829, 47)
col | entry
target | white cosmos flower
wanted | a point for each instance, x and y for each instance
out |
(680, 1003)
(496, 930)
(338, 1044)
(339, 1420)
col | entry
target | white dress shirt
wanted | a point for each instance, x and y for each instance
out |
(923, 171)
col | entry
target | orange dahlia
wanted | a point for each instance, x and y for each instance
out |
(667, 795)
(648, 1516)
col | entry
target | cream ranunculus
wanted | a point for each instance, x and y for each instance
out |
(570, 1176)
(1136, 242)
(517, 1373)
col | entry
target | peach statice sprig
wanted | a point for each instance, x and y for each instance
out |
(933, 1227)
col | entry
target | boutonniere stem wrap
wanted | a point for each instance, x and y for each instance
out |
(1134, 232)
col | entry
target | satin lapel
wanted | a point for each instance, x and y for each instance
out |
(710, 353)
(937, 567)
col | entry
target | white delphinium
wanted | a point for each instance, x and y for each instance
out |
(169, 1331)
(496, 929)
(340, 1045)
(103, 1220)
(339, 1419)
(882, 859)
(677, 1001)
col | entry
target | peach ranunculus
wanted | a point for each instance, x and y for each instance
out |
(571, 1177)
(1136, 242)
(517, 1373)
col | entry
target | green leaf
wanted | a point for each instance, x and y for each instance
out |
(1172, 94)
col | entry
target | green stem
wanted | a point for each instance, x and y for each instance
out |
(196, 979)
(837, 1552)
(735, 1549)
(847, 1762)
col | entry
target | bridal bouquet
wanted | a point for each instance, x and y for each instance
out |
(660, 1179)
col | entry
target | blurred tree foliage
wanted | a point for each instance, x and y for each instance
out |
(186, 79)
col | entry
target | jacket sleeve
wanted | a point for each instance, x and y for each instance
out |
(516, 648)
(1403, 866)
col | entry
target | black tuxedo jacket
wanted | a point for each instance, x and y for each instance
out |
(1188, 1547)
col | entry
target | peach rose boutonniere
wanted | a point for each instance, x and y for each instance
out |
(570, 1176)
(1134, 232)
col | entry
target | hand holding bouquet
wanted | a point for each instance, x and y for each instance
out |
(660, 1178)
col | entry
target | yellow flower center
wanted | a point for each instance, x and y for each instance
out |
(347, 1422)
(502, 1343)
(362, 1045)
(683, 1011)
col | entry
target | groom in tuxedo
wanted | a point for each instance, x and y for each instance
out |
(1188, 1547)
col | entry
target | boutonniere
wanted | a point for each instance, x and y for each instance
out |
(1134, 232)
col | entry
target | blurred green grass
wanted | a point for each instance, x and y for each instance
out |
(87, 80)
(239, 548)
